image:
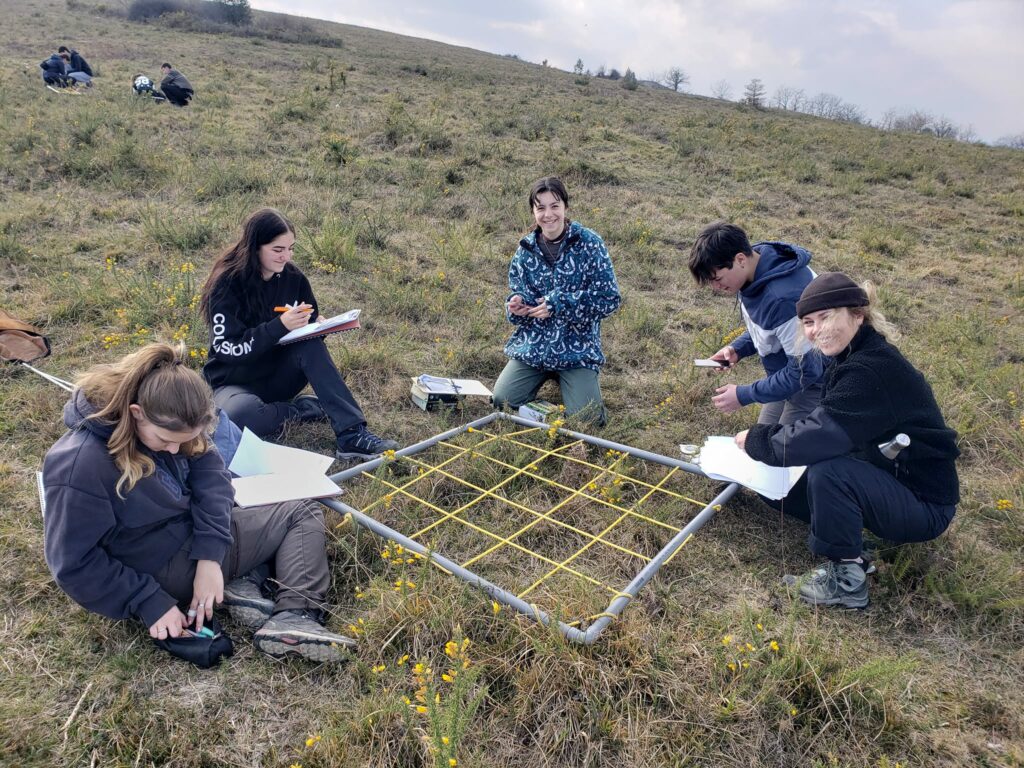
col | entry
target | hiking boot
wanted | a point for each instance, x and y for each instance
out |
(289, 632)
(867, 556)
(246, 603)
(844, 584)
(308, 408)
(361, 443)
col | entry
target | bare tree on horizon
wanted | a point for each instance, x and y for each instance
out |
(675, 78)
(721, 90)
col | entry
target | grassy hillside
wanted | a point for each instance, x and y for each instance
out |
(405, 166)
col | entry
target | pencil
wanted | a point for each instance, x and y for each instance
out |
(285, 309)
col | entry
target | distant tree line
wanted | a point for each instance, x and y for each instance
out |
(824, 105)
(832, 107)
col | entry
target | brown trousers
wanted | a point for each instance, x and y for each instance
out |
(290, 537)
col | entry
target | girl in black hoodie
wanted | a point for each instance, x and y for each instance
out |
(256, 380)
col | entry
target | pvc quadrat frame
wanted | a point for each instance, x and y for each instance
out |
(620, 597)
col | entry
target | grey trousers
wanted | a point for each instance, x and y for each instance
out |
(290, 537)
(797, 407)
(519, 383)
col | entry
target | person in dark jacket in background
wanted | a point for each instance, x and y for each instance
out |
(767, 278)
(871, 394)
(140, 516)
(175, 86)
(255, 379)
(54, 71)
(76, 64)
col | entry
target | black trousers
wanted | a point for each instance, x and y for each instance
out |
(176, 95)
(841, 497)
(264, 405)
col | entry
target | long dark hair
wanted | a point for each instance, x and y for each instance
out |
(241, 262)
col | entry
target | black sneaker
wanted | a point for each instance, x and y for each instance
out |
(308, 408)
(361, 443)
(290, 633)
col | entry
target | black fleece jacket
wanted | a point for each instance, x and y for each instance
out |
(244, 329)
(870, 394)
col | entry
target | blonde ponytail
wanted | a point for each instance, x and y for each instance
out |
(171, 395)
(873, 317)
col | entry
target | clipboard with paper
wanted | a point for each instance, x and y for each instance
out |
(721, 459)
(347, 321)
(270, 473)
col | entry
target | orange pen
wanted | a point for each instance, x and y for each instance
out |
(286, 309)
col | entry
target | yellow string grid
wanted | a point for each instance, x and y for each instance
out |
(561, 523)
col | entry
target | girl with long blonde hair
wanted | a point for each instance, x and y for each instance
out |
(141, 522)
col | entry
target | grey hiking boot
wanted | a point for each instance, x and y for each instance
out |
(361, 443)
(308, 408)
(844, 584)
(294, 633)
(246, 603)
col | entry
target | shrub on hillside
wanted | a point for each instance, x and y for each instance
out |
(152, 9)
(236, 12)
(232, 17)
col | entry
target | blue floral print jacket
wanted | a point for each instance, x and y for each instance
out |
(580, 289)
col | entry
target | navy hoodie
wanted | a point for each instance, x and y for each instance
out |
(103, 550)
(768, 304)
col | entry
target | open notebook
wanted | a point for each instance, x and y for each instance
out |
(346, 321)
(270, 473)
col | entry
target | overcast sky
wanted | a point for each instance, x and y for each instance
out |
(962, 59)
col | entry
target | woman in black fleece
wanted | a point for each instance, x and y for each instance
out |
(871, 394)
(256, 380)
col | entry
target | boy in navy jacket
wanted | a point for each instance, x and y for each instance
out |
(768, 278)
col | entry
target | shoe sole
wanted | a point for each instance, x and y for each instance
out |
(853, 605)
(361, 456)
(311, 647)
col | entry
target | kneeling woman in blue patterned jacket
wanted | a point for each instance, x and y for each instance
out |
(561, 286)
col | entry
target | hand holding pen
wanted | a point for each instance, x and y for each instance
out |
(295, 315)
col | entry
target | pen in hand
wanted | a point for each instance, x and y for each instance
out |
(306, 308)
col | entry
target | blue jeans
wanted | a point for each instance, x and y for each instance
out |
(841, 497)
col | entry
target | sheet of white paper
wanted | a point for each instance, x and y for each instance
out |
(322, 325)
(273, 489)
(444, 385)
(258, 457)
(722, 459)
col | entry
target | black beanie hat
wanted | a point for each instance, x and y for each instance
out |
(830, 290)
